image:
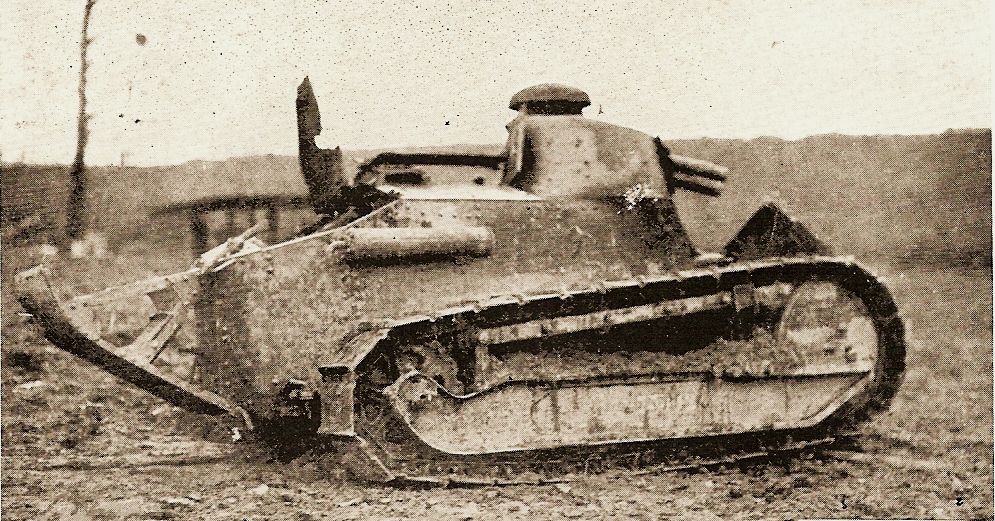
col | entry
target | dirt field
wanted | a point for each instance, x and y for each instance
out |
(79, 445)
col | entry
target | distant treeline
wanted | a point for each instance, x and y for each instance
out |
(896, 195)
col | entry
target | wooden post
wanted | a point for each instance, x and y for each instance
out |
(198, 232)
(273, 219)
(229, 221)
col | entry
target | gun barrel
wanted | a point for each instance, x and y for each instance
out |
(696, 184)
(692, 167)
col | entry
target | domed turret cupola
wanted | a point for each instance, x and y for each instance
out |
(550, 99)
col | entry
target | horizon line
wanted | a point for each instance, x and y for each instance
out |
(965, 130)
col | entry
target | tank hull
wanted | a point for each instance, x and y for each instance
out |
(591, 339)
(279, 315)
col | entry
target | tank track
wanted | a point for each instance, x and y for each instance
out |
(632, 459)
(411, 461)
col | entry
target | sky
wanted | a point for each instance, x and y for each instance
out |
(218, 79)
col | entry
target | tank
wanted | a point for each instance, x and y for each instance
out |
(508, 317)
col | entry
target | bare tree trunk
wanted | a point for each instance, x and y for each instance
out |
(76, 212)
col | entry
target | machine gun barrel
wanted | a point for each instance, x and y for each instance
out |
(692, 167)
(691, 174)
(697, 185)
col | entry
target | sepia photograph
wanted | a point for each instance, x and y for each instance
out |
(324, 260)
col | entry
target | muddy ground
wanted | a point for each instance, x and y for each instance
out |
(77, 444)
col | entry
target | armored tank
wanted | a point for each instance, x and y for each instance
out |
(506, 317)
